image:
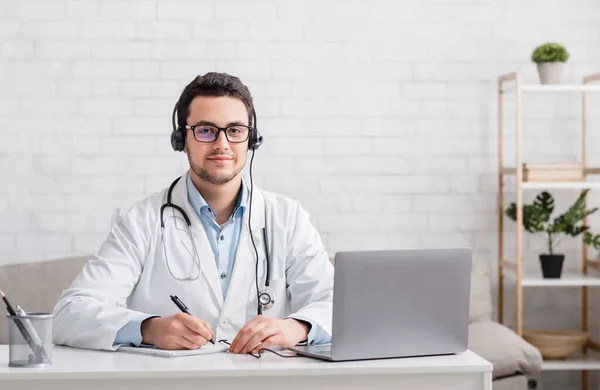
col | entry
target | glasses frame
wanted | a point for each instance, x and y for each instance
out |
(219, 130)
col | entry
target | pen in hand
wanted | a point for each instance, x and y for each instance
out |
(183, 308)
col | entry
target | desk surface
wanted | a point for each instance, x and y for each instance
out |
(71, 363)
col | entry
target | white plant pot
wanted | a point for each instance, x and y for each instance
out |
(550, 72)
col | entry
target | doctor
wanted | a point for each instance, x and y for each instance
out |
(248, 264)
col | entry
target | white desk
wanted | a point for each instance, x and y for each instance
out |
(95, 370)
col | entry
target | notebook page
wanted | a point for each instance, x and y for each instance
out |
(153, 351)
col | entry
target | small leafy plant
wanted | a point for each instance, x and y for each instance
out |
(537, 218)
(592, 240)
(550, 52)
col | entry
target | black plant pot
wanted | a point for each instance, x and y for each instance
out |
(552, 265)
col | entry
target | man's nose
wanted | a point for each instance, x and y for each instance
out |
(221, 141)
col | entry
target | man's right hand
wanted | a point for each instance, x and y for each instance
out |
(179, 331)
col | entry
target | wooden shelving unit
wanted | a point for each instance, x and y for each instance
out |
(545, 176)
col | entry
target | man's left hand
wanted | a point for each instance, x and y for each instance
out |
(264, 332)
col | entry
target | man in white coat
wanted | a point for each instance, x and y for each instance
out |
(247, 263)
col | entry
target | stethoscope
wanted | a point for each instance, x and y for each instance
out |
(265, 297)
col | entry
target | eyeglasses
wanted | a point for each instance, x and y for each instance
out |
(234, 134)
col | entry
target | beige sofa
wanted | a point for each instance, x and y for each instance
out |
(37, 286)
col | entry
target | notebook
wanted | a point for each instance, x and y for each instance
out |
(153, 351)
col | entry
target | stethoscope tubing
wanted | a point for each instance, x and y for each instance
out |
(265, 298)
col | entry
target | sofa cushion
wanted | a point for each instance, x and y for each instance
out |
(501, 346)
(36, 287)
(481, 298)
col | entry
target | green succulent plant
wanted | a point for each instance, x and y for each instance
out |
(550, 52)
(537, 218)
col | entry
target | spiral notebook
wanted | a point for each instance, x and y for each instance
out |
(153, 351)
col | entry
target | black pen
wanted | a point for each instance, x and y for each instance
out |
(9, 307)
(183, 308)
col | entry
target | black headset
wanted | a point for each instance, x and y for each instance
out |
(265, 298)
(178, 134)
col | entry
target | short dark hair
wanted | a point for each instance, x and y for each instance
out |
(213, 84)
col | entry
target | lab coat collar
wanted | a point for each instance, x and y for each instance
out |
(257, 222)
(198, 202)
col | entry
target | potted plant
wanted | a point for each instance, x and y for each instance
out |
(592, 240)
(537, 218)
(550, 58)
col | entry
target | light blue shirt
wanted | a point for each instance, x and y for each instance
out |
(224, 240)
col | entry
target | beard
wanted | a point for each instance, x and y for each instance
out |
(210, 178)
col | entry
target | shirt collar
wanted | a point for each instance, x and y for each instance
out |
(198, 202)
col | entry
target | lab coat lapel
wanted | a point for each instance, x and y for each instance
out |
(206, 257)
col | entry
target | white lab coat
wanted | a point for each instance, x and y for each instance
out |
(128, 277)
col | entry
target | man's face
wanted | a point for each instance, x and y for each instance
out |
(220, 161)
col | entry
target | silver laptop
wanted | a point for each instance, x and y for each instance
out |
(398, 303)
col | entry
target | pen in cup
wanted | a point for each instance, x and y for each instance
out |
(34, 336)
(183, 308)
(40, 353)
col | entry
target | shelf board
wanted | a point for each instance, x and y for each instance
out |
(562, 185)
(554, 88)
(586, 170)
(583, 363)
(560, 87)
(567, 279)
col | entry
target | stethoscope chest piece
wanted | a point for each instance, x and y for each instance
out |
(266, 299)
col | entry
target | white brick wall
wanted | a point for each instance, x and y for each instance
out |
(378, 115)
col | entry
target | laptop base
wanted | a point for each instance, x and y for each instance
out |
(324, 353)
(314, 351)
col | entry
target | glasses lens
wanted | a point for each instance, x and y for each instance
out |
(205, 133)
(237, 133)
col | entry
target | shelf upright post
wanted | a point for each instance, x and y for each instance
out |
(500, 206)
(584, 289)
(584, 252)
(519, 194)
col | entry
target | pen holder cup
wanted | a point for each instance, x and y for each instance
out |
(30, 340)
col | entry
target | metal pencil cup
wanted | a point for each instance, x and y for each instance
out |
(30, 340)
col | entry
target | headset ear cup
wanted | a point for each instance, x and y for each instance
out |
(177, 134)
(255, 140)
(177, 140)
(259, 141)
(252, 139)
